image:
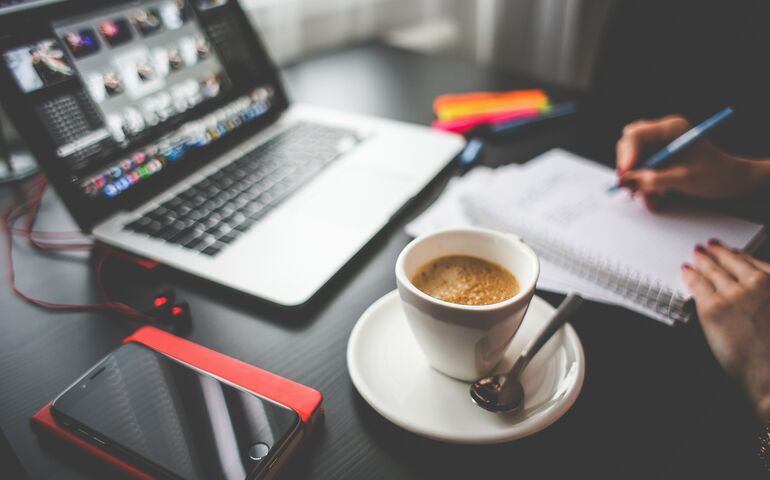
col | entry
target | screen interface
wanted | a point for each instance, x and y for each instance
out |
(184, 421)
(125, 92)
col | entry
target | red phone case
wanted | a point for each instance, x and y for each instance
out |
(304, 400)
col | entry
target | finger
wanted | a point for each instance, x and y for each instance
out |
(735, 263)
(758, 264)
(626, 155)
(657, 181)
(698, 285)
(643, 133)
(710, 269)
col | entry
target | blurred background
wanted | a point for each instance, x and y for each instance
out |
(551, 40)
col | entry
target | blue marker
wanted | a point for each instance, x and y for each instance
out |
(556, 111)
(471, 154)
(665, 157)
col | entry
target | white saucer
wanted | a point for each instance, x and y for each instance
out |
(391, 373)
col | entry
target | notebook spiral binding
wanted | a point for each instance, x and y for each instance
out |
(612, 276)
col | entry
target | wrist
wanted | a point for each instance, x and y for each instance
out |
(756, 383)
(763, 409)
(758, 173)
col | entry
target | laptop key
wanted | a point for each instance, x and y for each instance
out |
(158, 212)
(212, 250)
(238, 202)
(267, 198)
(196, 214)
(183, 223)
(251, 208)
(225, 210)
(169, 232)
(140, 224)
(240, 186)
(253, 178)
(225, 182)
(245, 225)
(211, 221)
(211, 205)
(198, 200)
(167, 219)
(205, 183)
(229, 238)
(173, 204)
(221, 230)
(188, 235)
(188, 195)
(194, 244)
(148, 225)
(206, 240)
(212, 191)
(183, 209)
(235, 218)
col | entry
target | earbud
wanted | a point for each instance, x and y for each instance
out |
(167, 312)
(181, 312)
(164, 299)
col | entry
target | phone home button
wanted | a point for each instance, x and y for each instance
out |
(258, 451)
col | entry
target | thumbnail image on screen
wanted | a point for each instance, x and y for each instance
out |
(115, 32)
(105, 85)
(82, 42)
(173, 14)
(38, 65)
(147, 21)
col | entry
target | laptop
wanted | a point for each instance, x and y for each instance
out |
(165, 129)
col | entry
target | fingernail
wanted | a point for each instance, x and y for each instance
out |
(714, 242)
(700, 249)
(686, 266)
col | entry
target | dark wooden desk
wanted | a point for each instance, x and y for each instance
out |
(654, 405)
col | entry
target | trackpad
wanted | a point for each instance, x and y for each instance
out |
(352, 197)
(315, 232)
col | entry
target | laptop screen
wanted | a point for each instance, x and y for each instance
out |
(126, 93)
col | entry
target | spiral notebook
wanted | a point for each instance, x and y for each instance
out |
(606, 246)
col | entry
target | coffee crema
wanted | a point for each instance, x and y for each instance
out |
(466, 280)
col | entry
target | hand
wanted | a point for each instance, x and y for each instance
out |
(703, 170)
(732, 296)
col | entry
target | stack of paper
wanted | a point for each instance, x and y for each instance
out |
(563, 198)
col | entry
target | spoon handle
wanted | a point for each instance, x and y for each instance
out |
(565, 311)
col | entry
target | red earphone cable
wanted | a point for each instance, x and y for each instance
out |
(29, 208)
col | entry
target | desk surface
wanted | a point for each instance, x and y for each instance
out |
(654, 405)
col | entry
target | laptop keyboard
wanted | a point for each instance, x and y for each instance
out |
(211, 214)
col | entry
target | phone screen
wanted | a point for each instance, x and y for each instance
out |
(189, 424)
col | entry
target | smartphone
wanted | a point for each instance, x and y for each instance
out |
(176, 421)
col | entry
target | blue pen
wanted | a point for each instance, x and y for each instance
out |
(665, 156)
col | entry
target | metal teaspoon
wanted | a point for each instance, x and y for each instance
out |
(503, 392)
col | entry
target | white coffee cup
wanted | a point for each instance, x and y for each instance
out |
(466, 341)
